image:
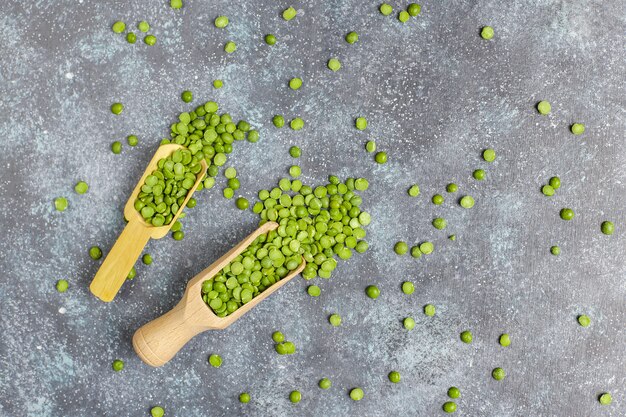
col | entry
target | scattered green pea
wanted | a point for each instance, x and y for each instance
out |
(486, 32)
(408, 323)
(132, 273)
(452, 238)
(132, 140)
(242, 203)
(131, 37)
(150, 40)
(578, 128)
(117, 108)
(176, 4)
(295, 396)
(217, 84)
(370, 146)
(324, 383)
(221, 22)
(479, 174)
(385, 9)
(547, 190)
(555, 182)
(566, 214)
(159, 411)
(277, 336)
(296, 123)
(285, 348)
(408, 287)
(230, 47)
(394, 376)
(466, 336)
(360, 123)
(278, 121)
(295, 152)
(403, 16)
(143, 26)
(178, 235)
(62, 285)
(334, 64)
(352, 37)
(118, 27)
(335, 320)
(427, 248)
(414, 9)
(60, 203)
(95, 253)
(555, 250)
(467, 202)
(607, 227)
(505, 340)
(429, 310)
(314, 291)
(454, 392)
(489, 155)
(452, 188)
(187, 96)
(439, 223)
(381, 157)
(117, 365)
(289, 13)
(146, 259)
(605, 398)
(295, 171)
(215, 360)
(584, 320)
(449, 406)
(244, 398)
(437, 199)
(295, 83)
(270, 39)
(414, 190)
(372, 291)
(116, 147)
(498, 374)
(356, 394)
(544, 107)
(401, 248)
(416, 252)
(81, 187)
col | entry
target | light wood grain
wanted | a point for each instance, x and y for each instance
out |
(131, 242)
(159, 340)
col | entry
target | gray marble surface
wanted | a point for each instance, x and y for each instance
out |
(435, 95)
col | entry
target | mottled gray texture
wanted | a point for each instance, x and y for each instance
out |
(435, 95)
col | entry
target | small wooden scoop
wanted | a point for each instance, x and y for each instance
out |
(159, 340)
(133, 239)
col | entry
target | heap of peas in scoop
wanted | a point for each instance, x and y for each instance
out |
(206, 135)
(314, 225)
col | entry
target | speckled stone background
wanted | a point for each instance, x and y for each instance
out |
(435, 95)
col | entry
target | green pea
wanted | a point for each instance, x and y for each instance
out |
(578, 128)
(117, 108)
(230, 172)
(95, 253)
(352, 37)
(146, 259)
(479, 174)
(295, 152)
(118, 27)
(607, 227)
(116, 147)
(416, 252)
(228, 192)
(230, 47)
(132, 140)
(505, 340)
(131, 37)
(278, 121)
(285, 348)
(289, 13)
(221, 22)
(370, 146)
(381, 157)
(566, 214)
(334, 65)
(555, 182)
(324, 383)
(335, 320)
(296, 124)
(60, 203)
(176, 4)
(454, 392)
(217, 84)
(117, 365)
(452, 237)
(401, 248)
(158, 411)
(132, 273)
(555, 250)
(467, 202)
(150, 40)
(242, 203)
(295, 171)
(498, 374)
(487, 32)
(449, 407)
(394, 376)
(81, 187)
(452, 188)
(403, 16)
(295, 83)
(466, 336)
(547, 190)
(361, 123)
(270, 39)
(429, 310)
(584, 320)
(314, 290)
(244, 398)
(372, 291)
(605, 398)
(62, 285)
(143, 26)
(215, 360)
(427, 248)
(440, 223)
(295, 396)
(408, 287)
(414, 9)
(278, 337)
(356, 394)
(178, 235)
(385, 9)
(489, 155)
(187, 96)
(414, 190)
(544, 107)
(408, 323)
(438, 199)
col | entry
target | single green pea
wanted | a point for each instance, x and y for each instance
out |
(159, 411)
(372, 291)
(547, 190)
(242, 203)
(117, 365)
(314, 290)
(132, 273)
(244, 398)
(228, 192)
(192, 203)
(605, 398)
(278, 337)
(270, 39)
(401, 248)
(62, 285)
(466, 336)
(278, 121)
(429, 310)
(555, 182)
(385, 9)
(324, 383)
(295, 152)
(403, 16)
(217, 84)
(449, 407)
(146, 259)
(566, 214)
(408, 287)
(335, 320)
(370, 146)
(295, 83)
(95, 253)
(187, 96)
(381, 157)
(81, 187)
(467, 202)
(427, 248)
(356, 394)
(439, 223)
(143, 26)
(295, 171)
(578, 128)
(544, 107)
(414, 9)
(454, 392)
(118, 27)
(296, 123)
(452, 188)
(215, 360)
(394, 376)
(607, 227)
(408, 323)
(498, 374)
(487, 32)
(117, 108)
(295, 396)
(230, 172)
(360, 123)
(489, 155)
(132, 140)
(230, 47)
(178, 235)
(555, 250)
(334, 65)
(584, 320)
(505, 340)
(221, 22)
(452, 237)
(289, 13)
(416, 252)
(116, 147)
(150, 40)
(176, 4)
(131, 37)
(414, 190)
(438, 199)
(352, 37)
(479, 174)
(60, 203)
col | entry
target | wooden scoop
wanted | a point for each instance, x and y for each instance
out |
(159, 340)
(133, 239)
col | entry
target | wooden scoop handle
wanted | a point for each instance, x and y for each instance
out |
(119, 261)
(159, 340)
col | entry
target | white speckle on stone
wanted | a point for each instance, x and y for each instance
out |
(69, 75)
(62, 310)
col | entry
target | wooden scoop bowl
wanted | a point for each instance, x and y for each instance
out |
(159, 340)
(133, 239)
